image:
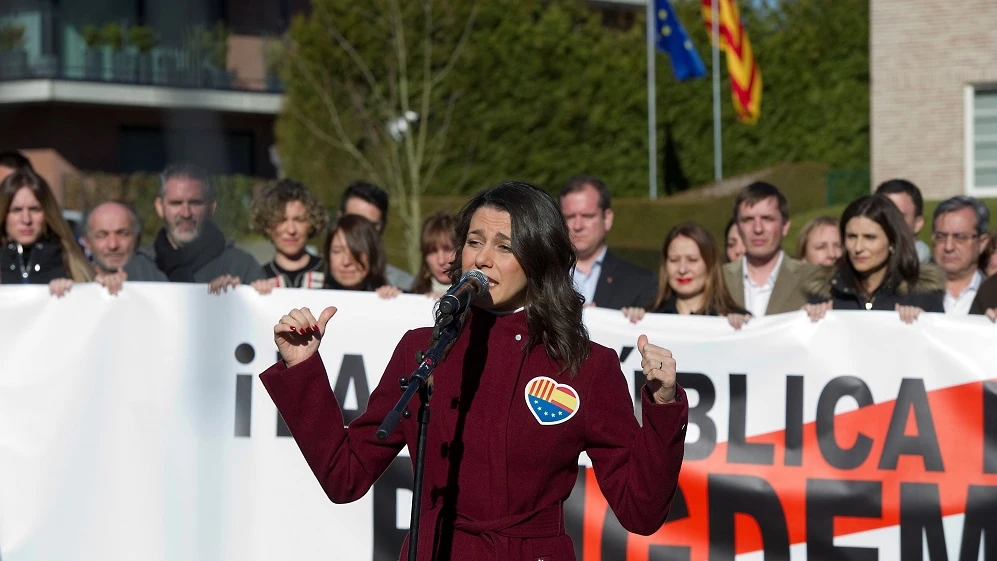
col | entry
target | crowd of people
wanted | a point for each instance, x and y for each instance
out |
(868, 259)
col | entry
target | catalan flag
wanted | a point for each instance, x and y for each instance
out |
(673, 39)
(745, 75)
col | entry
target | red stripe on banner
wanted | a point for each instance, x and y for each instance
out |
(957, 416)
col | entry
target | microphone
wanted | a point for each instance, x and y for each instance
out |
(473, 285)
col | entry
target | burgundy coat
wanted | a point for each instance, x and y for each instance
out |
(496, 476)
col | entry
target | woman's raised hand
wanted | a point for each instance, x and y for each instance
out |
(298, 334)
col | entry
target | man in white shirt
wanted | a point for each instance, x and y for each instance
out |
(765, 281)
(604, 279)
(959, 234)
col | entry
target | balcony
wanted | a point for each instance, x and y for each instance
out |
(44, 58)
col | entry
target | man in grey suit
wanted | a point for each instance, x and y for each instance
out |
(604, 279)
(765, 281)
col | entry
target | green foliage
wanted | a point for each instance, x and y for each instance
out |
(545, 91)
(11, 37)
(274, 55)
(113, 36)
(198, 43)
(143, 37)
(218, 51)
(91, 36)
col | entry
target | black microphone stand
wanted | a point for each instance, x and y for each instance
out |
(444, 334)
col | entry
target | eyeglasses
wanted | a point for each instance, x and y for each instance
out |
(957, 237)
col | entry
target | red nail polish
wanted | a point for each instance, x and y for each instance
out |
(293, 329)
(315, 328)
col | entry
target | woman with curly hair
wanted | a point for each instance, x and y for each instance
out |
(37, 246)
(289, 214)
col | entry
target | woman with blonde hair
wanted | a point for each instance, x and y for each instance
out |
(690, 279)
(37, 246)
(819, 241)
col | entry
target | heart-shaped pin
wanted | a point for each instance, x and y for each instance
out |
(551, 403)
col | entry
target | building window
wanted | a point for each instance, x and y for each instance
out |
(981, 140)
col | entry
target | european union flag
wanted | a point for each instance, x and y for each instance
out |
(673, 39)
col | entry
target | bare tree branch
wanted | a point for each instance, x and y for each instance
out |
(440, 143)
(333, 111)
(355, 56)
(427, 79)
(455, 55)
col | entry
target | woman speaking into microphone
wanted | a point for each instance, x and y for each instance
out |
(522, 392)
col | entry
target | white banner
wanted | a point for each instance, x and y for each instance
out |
(135, 427)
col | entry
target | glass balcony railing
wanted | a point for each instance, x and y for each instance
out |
(33, 45)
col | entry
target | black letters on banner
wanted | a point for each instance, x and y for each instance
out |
(745, 494)
(739, 451)
(243, 404)
(841, 458)
(794, 421)
(830, 498)
(282, 430)
(352, 369)
(990, 427)
(388, 537)
(981, 504)
(707, 441)
(921, 515)
(925, 444)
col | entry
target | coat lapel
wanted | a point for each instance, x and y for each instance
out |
(734, 275)
(786, 283)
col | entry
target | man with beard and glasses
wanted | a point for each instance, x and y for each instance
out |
(189, 247)
(111, 233)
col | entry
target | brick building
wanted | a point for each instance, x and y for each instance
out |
(933, 66)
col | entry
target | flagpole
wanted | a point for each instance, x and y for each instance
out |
(718, 172)
(652, 119)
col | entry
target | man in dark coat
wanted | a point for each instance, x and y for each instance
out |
(189, 247)
(603, 278)
(111, 234)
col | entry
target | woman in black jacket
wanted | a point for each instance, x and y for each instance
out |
(879, 269)
(36, 244)
(690, 279)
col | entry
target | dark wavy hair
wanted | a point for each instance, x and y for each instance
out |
(902, 264)
(362, 240)
(269, 206)
(541, 244)
(436, 230)
(718, 299)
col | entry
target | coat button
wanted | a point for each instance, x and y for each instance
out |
(11, 266)
(519, 337)
(24, 275)
(38, 268)
(40, 246)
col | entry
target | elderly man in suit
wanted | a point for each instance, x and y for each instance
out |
(765, 281)
(604, 279)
